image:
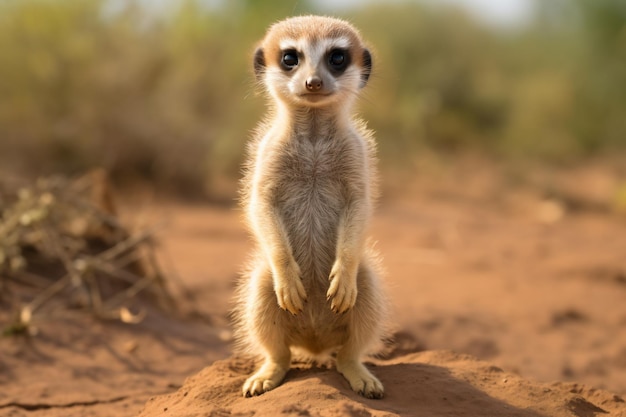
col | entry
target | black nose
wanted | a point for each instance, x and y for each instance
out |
(313, 83)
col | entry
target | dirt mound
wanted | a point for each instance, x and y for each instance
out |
(433, 383)
(471, 268)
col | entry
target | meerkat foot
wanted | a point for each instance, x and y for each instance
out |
(342, 289)
(265, 379)
(361, 380)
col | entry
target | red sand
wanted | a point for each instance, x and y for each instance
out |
(434, 383)
(534, 286)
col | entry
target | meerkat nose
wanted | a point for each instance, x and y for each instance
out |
(313, 83)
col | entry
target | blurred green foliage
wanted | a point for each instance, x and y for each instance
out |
(169, 97)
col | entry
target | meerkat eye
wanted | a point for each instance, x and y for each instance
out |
(289, 59)
(338, 60)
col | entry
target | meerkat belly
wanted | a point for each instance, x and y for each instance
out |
(311, 211)
(311, 208)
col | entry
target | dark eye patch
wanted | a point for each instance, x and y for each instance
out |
(289, 59)
(338, 60)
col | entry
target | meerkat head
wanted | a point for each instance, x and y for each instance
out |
(312, 61)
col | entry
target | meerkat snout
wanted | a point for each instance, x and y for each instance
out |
(313, 83)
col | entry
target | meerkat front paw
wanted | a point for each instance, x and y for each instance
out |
(289, 290)
(342, 289)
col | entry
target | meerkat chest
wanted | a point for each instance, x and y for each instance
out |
(314, 174)
(305, 175)
(313, 177)
(314, 162)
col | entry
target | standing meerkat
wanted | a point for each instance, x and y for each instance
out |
(308, 195)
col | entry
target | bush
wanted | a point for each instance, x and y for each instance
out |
(169, 98)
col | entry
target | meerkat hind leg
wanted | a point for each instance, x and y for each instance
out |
(269, 376)
(363, 329)
(360, 378)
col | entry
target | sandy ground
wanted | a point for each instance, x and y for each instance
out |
(525, 281)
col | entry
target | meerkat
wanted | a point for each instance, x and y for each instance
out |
(307, 195)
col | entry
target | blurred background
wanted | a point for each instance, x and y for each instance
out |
(501, 128)
(161, 92)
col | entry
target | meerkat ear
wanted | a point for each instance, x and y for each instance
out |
(259, 63)
(367, 67)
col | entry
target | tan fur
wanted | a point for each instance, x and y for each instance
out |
(308, 194)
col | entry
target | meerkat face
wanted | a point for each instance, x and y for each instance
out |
(313, 61)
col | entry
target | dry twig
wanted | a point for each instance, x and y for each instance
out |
(62, 246)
